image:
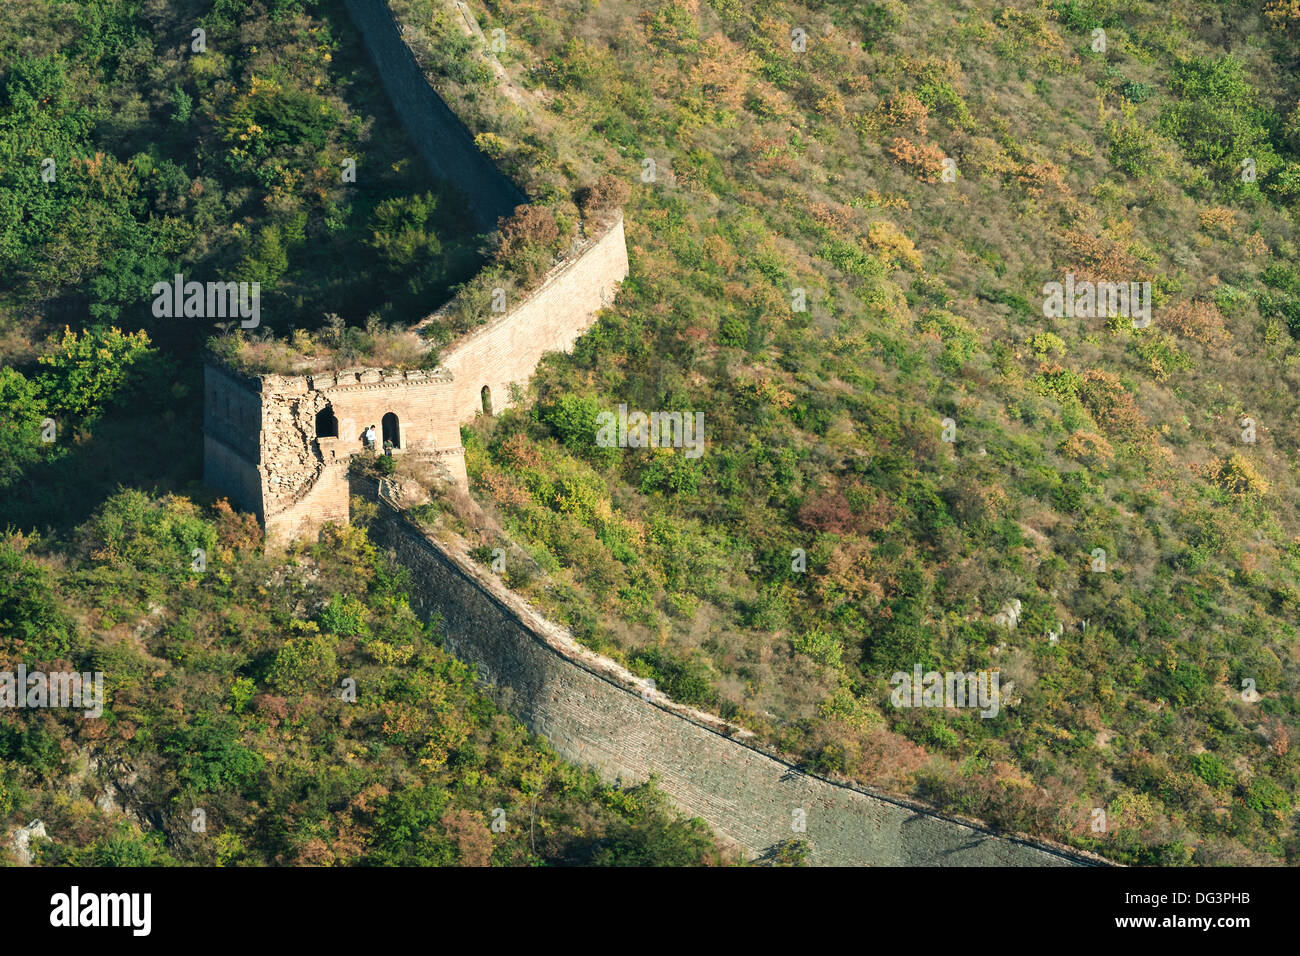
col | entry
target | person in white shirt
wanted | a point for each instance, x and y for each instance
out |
(370, 437)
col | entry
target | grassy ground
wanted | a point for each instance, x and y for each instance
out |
(831, 535)
(226, 738)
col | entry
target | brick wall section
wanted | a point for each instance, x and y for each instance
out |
(591, 712)
(232, 428)
(550, 319)
(327, 500)
(437, 132)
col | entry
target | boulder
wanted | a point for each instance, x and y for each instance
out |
(21, 841)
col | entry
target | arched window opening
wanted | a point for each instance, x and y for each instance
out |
(487, 400)
(392, 434)
(327, 426)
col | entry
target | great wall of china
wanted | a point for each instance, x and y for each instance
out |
(279, 446)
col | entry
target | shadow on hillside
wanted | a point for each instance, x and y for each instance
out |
(160, 450)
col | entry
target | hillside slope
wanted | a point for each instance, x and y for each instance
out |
(255, 710)
(843, 218)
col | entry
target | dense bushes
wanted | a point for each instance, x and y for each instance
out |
(259, 167)
(33, 627)
(232, 698)
(898, 443)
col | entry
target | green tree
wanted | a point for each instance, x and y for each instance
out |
(87, 370)
(208, 756)
(658, 840)
(155, 535)
(21, 413)
(267, 260)
(304, 663)
(573, 419)
(33, 625)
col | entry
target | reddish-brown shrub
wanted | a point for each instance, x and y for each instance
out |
(925, 162)
(528, 226)
(472, 839)
(828, 511)
(237, 531)
(1198, 321)
(1111, 405)
(608, 192)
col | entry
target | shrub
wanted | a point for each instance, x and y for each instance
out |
(608, 192)
(657, 841)
(208, 756)
(686, 681)
(828, 511)
(573, 419)
(529, 241)
(733, 333)
(1087, 447)
(1217, 118)
(1135, 92)
(1136, 150)
(1268, 799)
(1110, 403)
(923, 161)
(959, 339)
(1047, 344)
(792, 852)
(404, 234)
(820, 646)
(21, 413)
(1237, 475)
(156, 534)
(343, 616)
(671, 473)
(892, 245)
(303, 664)
(238, 531)
(87, 370)
(1212, 770)
(33, 625)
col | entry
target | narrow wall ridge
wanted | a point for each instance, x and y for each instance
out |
(442, 139)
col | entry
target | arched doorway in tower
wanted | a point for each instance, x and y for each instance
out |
(487, 400)
(392, 435)
(327, 426)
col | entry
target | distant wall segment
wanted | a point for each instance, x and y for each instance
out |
(548, 319)
(442, 139)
